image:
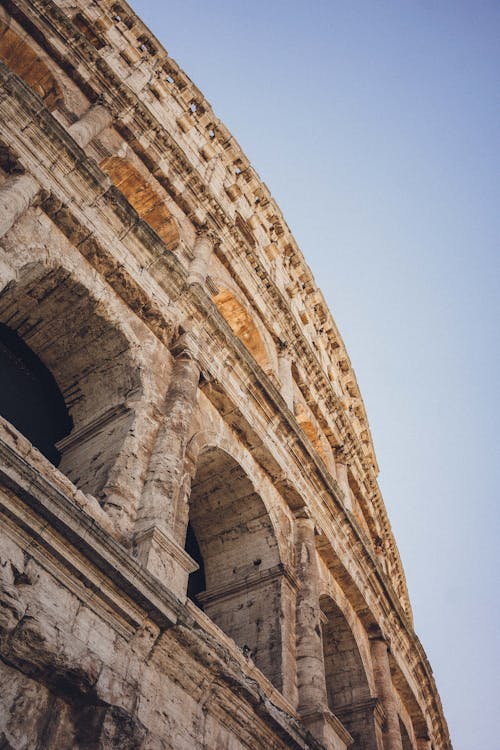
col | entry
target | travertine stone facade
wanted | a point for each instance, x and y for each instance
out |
(194, 550)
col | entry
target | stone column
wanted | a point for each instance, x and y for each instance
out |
(341, 469)
(17, 194)
(203, 249)
(310, 665)
(159, 540)
(285, 374)
(385, 692)
(93, 122)
(313, 700)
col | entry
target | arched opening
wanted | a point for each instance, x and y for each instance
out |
(363, 512)
(147, 202)
(312, 433)
(27, 64)
(232, 539)
(29, 396)
(405, 737)
(347, 686)
(60, 342)
(410, 711)
(242, 325)
(197, 581)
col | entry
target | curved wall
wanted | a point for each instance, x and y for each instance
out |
(217, 427)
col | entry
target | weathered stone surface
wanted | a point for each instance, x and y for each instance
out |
(208, 563)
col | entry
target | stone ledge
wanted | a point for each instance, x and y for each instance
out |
(85, 534)
(219, 657)
(326, 719)
(370, 706)
(46, 515)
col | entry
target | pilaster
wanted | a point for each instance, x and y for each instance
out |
(342, 468)
(385, 692)
(163, 515)
(285, 374)
(312, 696)
(310, 663)
(93, 122)
(17, 194)
(202, 252)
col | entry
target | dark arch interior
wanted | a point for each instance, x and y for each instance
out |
(346, 682)
(405, 739)
(231, 537)
(29, 396)
(196, 582)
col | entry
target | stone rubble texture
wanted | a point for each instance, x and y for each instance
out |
(147, 266)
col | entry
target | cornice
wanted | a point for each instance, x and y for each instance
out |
(87, 536)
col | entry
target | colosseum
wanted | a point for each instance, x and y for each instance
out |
(194, 549)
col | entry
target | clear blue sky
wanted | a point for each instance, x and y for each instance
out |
(375, 125)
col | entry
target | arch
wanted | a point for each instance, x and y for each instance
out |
(224, 440)
(312, 433)
(232, 538)
(405, 737)
(364, 514)
(29, 396)
(242, 325)
(348, 691)
(56, 318)
(28, 65)
(346, 679)
(143, 197)
(410, 711)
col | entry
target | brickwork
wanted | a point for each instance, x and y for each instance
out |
(210, 564)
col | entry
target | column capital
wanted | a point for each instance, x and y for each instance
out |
(206, 232)
(342, 453)
(185, 346)
(375, 633)
(303, 514)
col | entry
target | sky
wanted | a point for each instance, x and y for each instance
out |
(375, 126)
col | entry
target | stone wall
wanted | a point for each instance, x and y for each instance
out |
(210, 563)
